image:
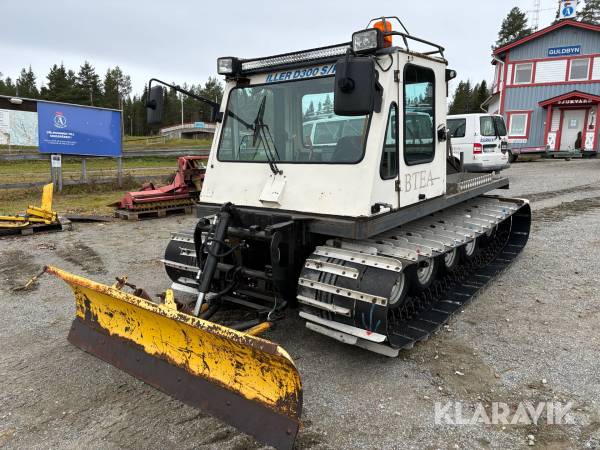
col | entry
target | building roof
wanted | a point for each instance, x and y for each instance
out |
(570, 95)
(543, 31)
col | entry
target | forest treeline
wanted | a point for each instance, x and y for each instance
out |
(113, 90)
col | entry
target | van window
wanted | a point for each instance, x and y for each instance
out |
(307, 134)
(389, 155)
(327, 132)
(419, 115)
(486, 126)
(457, 127)
(500, 125)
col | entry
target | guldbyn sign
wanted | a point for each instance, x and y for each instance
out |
(565, 51)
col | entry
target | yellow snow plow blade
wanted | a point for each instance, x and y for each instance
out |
(244, 380)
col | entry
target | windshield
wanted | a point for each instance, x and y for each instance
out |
(300, 121)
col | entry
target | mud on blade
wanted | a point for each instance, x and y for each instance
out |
(248, 382)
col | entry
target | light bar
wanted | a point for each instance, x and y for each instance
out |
(291, 58)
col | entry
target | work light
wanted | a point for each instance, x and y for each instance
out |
(367, 40)
(227, 65)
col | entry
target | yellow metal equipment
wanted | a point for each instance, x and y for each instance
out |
(34, 214)
(247, 381)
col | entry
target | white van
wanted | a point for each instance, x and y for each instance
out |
(327, 131)
(483, 140)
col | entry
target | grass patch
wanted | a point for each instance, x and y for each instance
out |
(82, 199)
(161, 142)
(134, 142)
(30, 171)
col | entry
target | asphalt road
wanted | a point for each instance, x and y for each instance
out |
(531, 336)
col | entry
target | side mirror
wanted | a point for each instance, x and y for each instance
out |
(216, 115)
(442, 133)
(357, 89)
(155, 106)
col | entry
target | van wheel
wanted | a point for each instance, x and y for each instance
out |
(512, 158)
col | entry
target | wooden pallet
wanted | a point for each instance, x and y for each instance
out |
(126, 214)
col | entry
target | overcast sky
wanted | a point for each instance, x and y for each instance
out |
(180, 40)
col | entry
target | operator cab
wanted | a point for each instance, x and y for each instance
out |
(352, 130)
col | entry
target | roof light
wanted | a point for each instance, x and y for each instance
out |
(385, 27)
(227, 65)
(365, 41)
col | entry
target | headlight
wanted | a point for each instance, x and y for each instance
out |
(227, 66)
(367, 40)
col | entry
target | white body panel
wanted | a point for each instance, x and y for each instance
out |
(335, 189)
(491, 157)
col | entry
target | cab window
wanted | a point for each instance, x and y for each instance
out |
(419, 115)
(389, 156)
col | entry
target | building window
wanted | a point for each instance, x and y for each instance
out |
(580, 69)
(518, 123)
(523, 73)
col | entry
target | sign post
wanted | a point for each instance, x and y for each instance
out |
(568, 9)
(56, 168)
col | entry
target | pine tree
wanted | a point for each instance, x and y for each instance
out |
(514, 27)
(212, 90)
(462, 103)
(110, 98)
(88, 85)
(26, 86)
(310, 112)
(9, 87)
(60, 87)
(590, 12)
(481, 95)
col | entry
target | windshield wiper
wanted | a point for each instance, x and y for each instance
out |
(262, 132)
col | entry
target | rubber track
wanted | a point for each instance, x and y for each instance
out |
(424, 315)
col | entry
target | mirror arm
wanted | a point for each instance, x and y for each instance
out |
(218, 116)
(212, 104)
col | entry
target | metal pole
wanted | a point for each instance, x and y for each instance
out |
(53, 174)
(60, 179)
(84, 170)
(119, 171)
(182, 110)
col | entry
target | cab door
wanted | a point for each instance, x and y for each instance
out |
(422, 111)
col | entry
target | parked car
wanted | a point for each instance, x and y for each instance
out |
(483, 140)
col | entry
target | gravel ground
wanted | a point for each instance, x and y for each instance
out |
(531, 336)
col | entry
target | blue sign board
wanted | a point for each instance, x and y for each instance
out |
(77, 130)
(565, 51)
(198, 124)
